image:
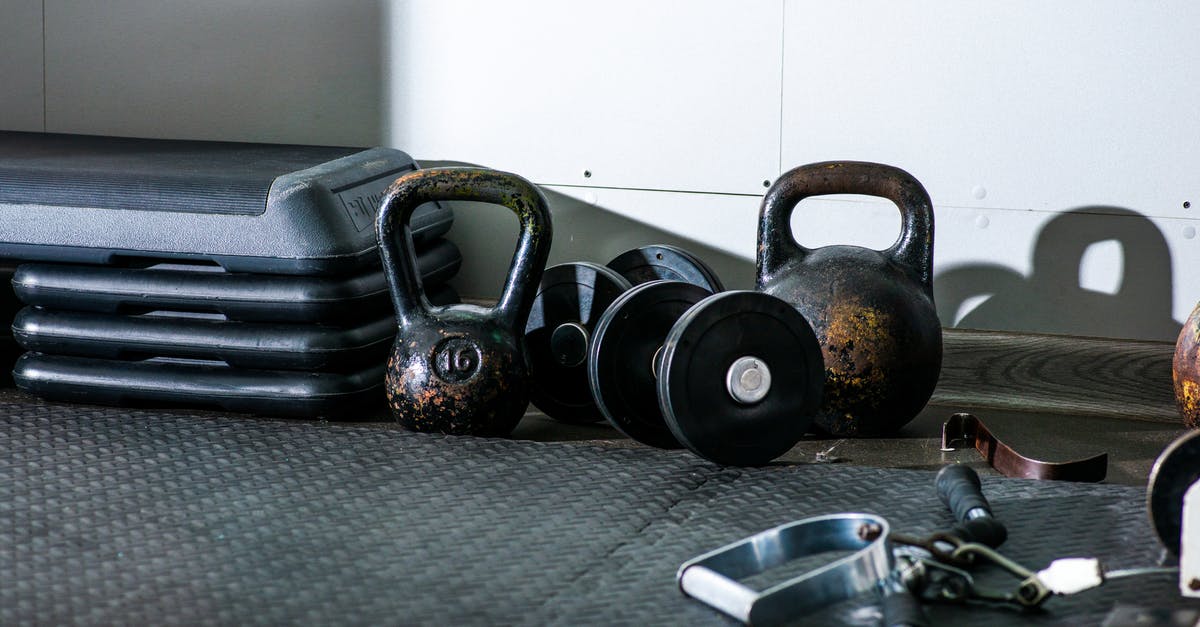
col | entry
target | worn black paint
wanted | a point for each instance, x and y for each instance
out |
(461, 369)
(872, 311)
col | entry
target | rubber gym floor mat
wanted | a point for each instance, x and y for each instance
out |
(119, 516)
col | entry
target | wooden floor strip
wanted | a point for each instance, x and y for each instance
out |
(1058, 373)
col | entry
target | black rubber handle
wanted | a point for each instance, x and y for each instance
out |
(902, 609)
(986, 530)
(960, 489)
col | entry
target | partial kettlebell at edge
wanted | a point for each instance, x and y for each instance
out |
(461, 369)
(872, 311)
(1185, 370)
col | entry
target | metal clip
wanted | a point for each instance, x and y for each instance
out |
(933, 580)
(939, 545)
(1031, 592)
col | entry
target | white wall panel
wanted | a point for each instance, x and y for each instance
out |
(1113, 274)
(691, 216)
(303, 71)
(671, 95)
(1031, 271)
(21, 65)
(594, 225)
(1056, 139)
(1014, 105)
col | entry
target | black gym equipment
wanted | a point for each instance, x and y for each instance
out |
(256, 345)
(176, 382)
(735, 377)
(623, 364)
(240, 276)
(9, 350)
(662, 262)
(872, 310)
(570, 300)
(461, 369)
(265, 208)
(1175, 470)
(251, 297)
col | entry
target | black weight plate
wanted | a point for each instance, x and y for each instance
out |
(1175, 470)
(697, 355)
(624, 344)
(665, 263)
(570, 300)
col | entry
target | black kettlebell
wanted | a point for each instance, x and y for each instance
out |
(461, 369)
(872, 310)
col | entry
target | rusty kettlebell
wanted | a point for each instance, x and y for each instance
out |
(1185, 370)
(461, 369)
(872, 311)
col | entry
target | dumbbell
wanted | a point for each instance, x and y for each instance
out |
(570, 299)
(735, 377)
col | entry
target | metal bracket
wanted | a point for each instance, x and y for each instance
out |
(713, 578)
(964, 430)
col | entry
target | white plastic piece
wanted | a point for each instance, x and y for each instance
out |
(1072, 574)
(1189, 543)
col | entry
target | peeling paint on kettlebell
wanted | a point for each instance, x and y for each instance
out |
(1185, 370)
(856, 342)
(872, 311)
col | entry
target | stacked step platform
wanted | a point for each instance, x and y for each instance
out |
(241, 277)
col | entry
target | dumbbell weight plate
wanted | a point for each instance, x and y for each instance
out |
(624, 347)
(570, 300)
(741, 378)
(665, 263)
(1175, 470)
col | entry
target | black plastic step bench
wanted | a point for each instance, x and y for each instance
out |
(163, 382)
(243, 296)
(246, 207)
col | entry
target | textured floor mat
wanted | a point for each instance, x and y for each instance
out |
(113, 516)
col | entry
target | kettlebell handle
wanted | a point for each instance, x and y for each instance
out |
(466, 184)
(913, 249)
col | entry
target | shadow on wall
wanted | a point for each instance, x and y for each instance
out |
(1051, 299)
(487, 236)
